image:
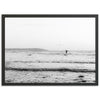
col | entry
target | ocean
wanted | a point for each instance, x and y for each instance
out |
(43, 66)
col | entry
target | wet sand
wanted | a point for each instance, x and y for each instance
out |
(48, 77)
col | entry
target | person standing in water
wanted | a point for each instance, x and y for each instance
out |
(66, 51)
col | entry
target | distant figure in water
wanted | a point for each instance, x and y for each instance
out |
(66, 51)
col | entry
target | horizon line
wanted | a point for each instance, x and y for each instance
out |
(54, 50)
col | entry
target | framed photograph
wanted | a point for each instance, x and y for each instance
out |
(50, 50)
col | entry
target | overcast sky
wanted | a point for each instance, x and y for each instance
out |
(50, 33)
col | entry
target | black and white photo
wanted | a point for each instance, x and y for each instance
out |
(50, 49)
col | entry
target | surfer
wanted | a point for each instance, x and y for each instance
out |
(66, 51)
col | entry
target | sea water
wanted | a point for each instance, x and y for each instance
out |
(29, 66)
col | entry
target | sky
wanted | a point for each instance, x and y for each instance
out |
(50, 33)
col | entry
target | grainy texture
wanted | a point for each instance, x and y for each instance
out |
(28, 66)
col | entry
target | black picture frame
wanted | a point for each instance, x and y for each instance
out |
(47, 16)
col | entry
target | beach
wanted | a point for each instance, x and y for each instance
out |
(43, 66)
